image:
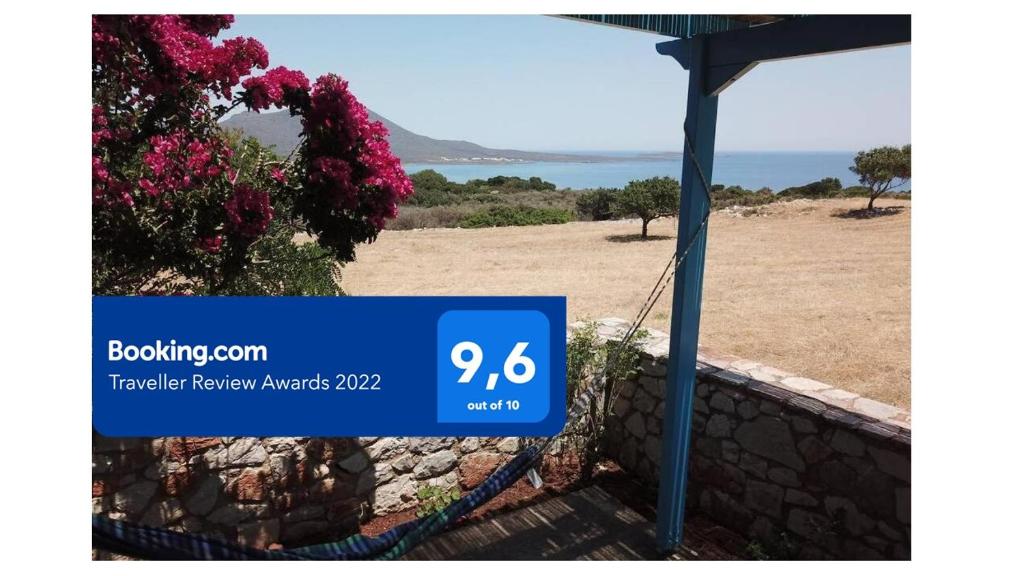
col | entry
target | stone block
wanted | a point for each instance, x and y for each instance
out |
(719, 426)
(722, 403)
(354, 463)
(893, 464)
(636, 425)
(730, 377)
(875, 409)
(730, 451)
(800, 384)
(644, 402)
(810, 525)
(202, 500)
(847, 443)
(842, 418)
(699, 405)
(133, 499)
(770, 438)
(747, 409)
(394, 496)
(805, 404)
(434, 464)
(784, 477)
(385, 448)
(764, 497)
(509, 445)
(427, 445)
(800, 498)
(813, 449)
(653, 386)
(803, 425)
(753, 464)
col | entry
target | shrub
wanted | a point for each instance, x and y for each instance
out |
(597, 204)
(415, 217)
(515, 216)
(512, 183)
(587, 356)
(425, 180)
(432, 189)
(824, 188)
(722, 197)
(434, 499)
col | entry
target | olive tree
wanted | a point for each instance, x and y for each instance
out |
(882, 169)
(648, 200)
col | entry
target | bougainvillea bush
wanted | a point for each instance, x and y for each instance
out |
(182, 206)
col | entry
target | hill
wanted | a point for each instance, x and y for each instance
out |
(281, 131)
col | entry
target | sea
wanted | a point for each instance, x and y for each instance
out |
(751, 170)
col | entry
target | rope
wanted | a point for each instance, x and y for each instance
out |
(582, 403)
(161, 543)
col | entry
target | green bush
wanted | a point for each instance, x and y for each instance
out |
(722, 197)
(597, 204)
(425, 180)
(431, 189)
(587, 356)
(515, 216)
(511, 183)
(434, 499)
(287, 269)
(824, 188)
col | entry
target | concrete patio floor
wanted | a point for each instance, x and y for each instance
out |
(586, 525)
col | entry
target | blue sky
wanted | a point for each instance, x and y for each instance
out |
(544, 83)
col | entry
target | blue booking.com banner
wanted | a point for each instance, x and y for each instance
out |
(323, 366)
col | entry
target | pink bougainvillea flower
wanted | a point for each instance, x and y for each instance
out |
(279, 87)
(248, 211)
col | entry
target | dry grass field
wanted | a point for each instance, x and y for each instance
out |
(795, 287)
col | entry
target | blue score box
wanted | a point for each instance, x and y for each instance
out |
(322, 366)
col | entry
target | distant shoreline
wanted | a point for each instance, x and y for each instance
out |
(751, 170)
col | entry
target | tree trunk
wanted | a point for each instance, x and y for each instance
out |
(643, 232)
(871, 202)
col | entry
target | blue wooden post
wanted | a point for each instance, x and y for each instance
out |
(701, 115)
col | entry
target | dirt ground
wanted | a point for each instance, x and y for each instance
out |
(796, 285)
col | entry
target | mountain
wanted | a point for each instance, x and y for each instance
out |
(281, 131)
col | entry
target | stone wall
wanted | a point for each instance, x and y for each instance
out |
(803, 469)
(260, 491)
